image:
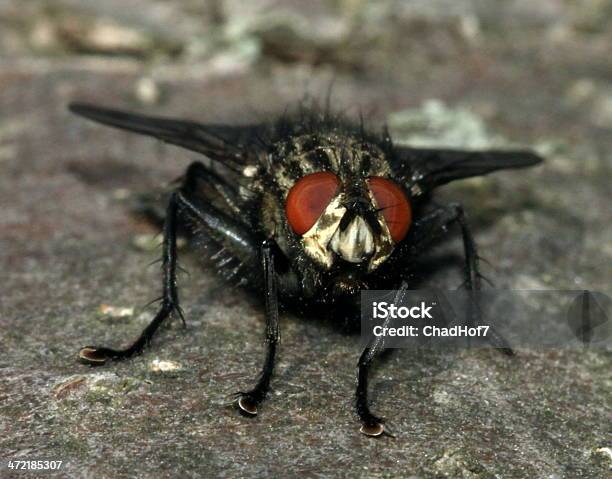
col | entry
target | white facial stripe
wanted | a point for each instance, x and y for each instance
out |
(316, 239)
(355, 243)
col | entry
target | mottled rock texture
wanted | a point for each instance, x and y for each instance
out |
(460, 73)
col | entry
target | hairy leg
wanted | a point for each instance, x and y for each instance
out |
(473, 280)
(371, 425)
(431, 226)
(248, 401)
(434, 225)
(229, 233)
(96, 355)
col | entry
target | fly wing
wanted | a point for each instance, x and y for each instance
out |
(431, 168)
(220, 142)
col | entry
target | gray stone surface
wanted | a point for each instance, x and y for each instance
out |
(518, 72)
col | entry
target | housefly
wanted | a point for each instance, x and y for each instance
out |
(307, 210)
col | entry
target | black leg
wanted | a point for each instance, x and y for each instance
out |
(215, 185)
(431, 226)
(248, 401)
(99, 355)
(473, 281)
(372, 425)
(436, 224)
(231, 235)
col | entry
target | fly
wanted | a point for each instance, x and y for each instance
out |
(308, 210)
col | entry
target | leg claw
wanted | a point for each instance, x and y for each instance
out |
(375, 430)
(247, 405)
(92, 356)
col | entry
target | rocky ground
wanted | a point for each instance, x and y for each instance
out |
(461, 73)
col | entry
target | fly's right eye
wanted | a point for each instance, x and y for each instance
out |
(308, 198)
(395, 207)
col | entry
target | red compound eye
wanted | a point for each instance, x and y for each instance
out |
(394, 206)
(308, 199)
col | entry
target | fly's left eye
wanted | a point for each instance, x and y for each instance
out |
(308, 199)
(393, 204)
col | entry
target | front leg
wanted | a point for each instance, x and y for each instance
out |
(98, 355)
(424, 231)
(248, 401)
(224, 230)
(372, 425)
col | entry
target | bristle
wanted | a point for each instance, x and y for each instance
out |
(312, 120)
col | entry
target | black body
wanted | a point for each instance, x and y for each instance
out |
(238, 206)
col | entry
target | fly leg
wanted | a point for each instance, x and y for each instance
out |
(95, 355)
(372, 425)
(431, 226)
(222, 229)
(473, 281)
(434, 225)
(248, 401)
